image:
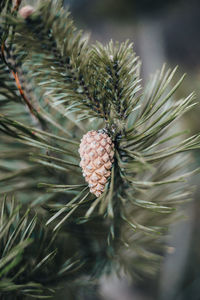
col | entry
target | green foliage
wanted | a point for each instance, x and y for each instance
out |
(29, 262)
(66, 87)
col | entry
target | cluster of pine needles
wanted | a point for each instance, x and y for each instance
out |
(55, 87)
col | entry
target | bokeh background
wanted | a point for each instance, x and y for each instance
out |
(163, 31)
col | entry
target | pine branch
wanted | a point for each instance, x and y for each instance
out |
(73, 69)
(73, 88)
(24, 271)
(63, 60)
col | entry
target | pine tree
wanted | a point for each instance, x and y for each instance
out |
(55, 87)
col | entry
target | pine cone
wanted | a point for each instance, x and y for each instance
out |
(96, 152)
(26, 11)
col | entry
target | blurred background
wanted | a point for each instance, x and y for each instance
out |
(163, 31)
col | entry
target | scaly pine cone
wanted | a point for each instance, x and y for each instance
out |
(26, 11)
(96, 152)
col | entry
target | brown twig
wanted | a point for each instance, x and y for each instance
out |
(16, 4)
(22, 92)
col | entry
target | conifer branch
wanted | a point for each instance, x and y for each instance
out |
(20, 234)
(72, 87)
